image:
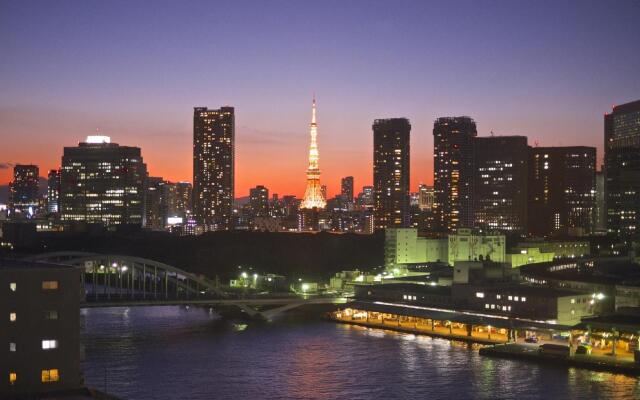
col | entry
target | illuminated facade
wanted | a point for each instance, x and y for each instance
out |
(313, 196)
(23, 194)
(53, 191)
(622, 169)
(103, 183)
(453, 171)
(500, 183)
(213, 167)
(561, 190)
(391, 173)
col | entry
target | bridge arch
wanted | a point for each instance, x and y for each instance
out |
(112, 277)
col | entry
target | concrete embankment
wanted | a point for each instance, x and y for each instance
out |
(531, 354)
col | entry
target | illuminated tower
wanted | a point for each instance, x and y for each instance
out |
(313, 197)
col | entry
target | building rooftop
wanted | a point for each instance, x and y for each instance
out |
(8, 263)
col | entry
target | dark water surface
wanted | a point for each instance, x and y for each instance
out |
(175, 353)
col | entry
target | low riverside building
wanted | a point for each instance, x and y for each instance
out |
(612, 282)
(403, 246)
(39, 329)
(518, 256)
(560, 248)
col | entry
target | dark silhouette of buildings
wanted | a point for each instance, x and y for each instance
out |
(622, 168)
(213, 167)
(391, 172)
(453, 171)
(346, 189)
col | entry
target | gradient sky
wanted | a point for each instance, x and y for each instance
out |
(135, 70)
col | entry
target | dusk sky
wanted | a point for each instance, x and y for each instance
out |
(135, 70)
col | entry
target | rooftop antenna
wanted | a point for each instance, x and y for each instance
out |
(492, 134)
(535, 143)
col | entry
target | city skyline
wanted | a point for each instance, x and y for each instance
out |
(552, 91)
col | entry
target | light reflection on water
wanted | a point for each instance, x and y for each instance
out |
(173, 353)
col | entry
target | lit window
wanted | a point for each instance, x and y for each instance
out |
(510, 298)
(12, 347)
(49, 344)
(50, 375)
(486, 306)
(12, 316)
(523, 299)
(516, 298)
(480, 295)
(498, 297)
(13, 377)
(573, 301)
(12, 286)
(50, 285)
(51, 314)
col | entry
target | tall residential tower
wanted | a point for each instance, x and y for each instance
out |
(622, 169)
(213, 167)
(453, 171)
(391, 172)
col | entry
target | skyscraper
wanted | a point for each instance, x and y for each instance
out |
(102, 182)
(426, 197)
(500, 183)
(213, 166)
(23, 190)
(561, 190)
(391, 146)
(154, 218)
(313, 196)
(453, 171)
(53, 191)
(622, 168)
(346, 189)
(259, 201)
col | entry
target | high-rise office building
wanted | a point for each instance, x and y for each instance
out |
(184, 197)
(561, 190)
(213, 166)
(102, 182)
(426, 197)
(453, 171)
(53, 191)
(500, 183)
(346, 189)
(314, 197)
(23, 190)
(365, 198)
(622, 168)
(600, 217)
(259, 201)
(391, 145)
(153, 215)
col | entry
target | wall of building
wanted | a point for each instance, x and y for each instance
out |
(35, 312)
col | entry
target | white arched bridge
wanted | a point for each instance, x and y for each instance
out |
(120, 280)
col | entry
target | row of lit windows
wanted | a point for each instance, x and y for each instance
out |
(47, 376)
(46, 285)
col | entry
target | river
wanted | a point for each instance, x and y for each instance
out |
(178, 353)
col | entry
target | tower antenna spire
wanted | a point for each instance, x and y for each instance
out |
(313, 197)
